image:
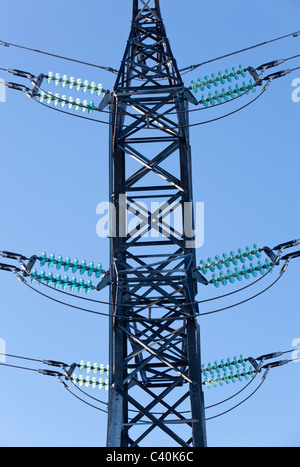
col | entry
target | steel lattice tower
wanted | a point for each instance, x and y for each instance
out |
(154, 336)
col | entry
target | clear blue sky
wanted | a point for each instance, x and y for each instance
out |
(54, 172)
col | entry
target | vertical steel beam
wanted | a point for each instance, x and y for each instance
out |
(154, 336)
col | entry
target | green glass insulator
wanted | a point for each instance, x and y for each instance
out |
(226, 260)
(75, 378)
(101, 369)
(223, 366)
(78, 104)
(203, 267)
(50, 77)
(99, 90)
(235, 362)
(89, 287)
(43, 259)
(65, 283)
(231, 93)
(91, 269)
(268, 265)
(56, 100)
(64, 81)
(238, 90)
(99, 271)
(256, 251)
(194, 87)
(225, 94)
(100, 383)
(221, 78)
(215, 281)
(71, 82)
(34, 276)
(81, 285)
(242, 361)
(244, 88)
(260, 268)
(237, 274)
(94, 382)
(239, 376)
(42, 96)
(206, 82)
(78, 84)
(59, 262)
(58, 281)
(214, 80)
(92, 87)
(81, 366)
(207, 383)
(51, 261)
(210, 369)
(223, 278)
(67, 264)
(70, 102)
(230, 276)
(49, 98)
(218, 96)
(235, 74)
(253, 270)
(81, 380)
(200, 85)
(228, 364)
(252, 85)
(88, 367)
(251, 372)
(203, 370)
(95, 368)
(57, 79)
(85, 106)
(241, 71)
(211, 99)
(63, 101)
(228, 76)
(85, 86)
(218, 263)
(204, 101)
(75, 266)
(73, 284)
(42, 277)
(241, 256)
(233, 258)
(106, 385)
(50, 278)
(83, 267)
(210, 265)
(91, 107)
(245, 272)
(248, 253)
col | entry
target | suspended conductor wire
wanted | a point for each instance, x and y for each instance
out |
(193, 67)
(88, 395)
(243, 401)
(79, 398)
(148, 319)
(18, 367)
(151, 123)
(111, 70)
(154, 304)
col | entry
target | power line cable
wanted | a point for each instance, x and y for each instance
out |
(148, 319)
(243, 401)
(111, 70)
(193, 67)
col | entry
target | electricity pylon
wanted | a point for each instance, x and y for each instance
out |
(154, 336)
